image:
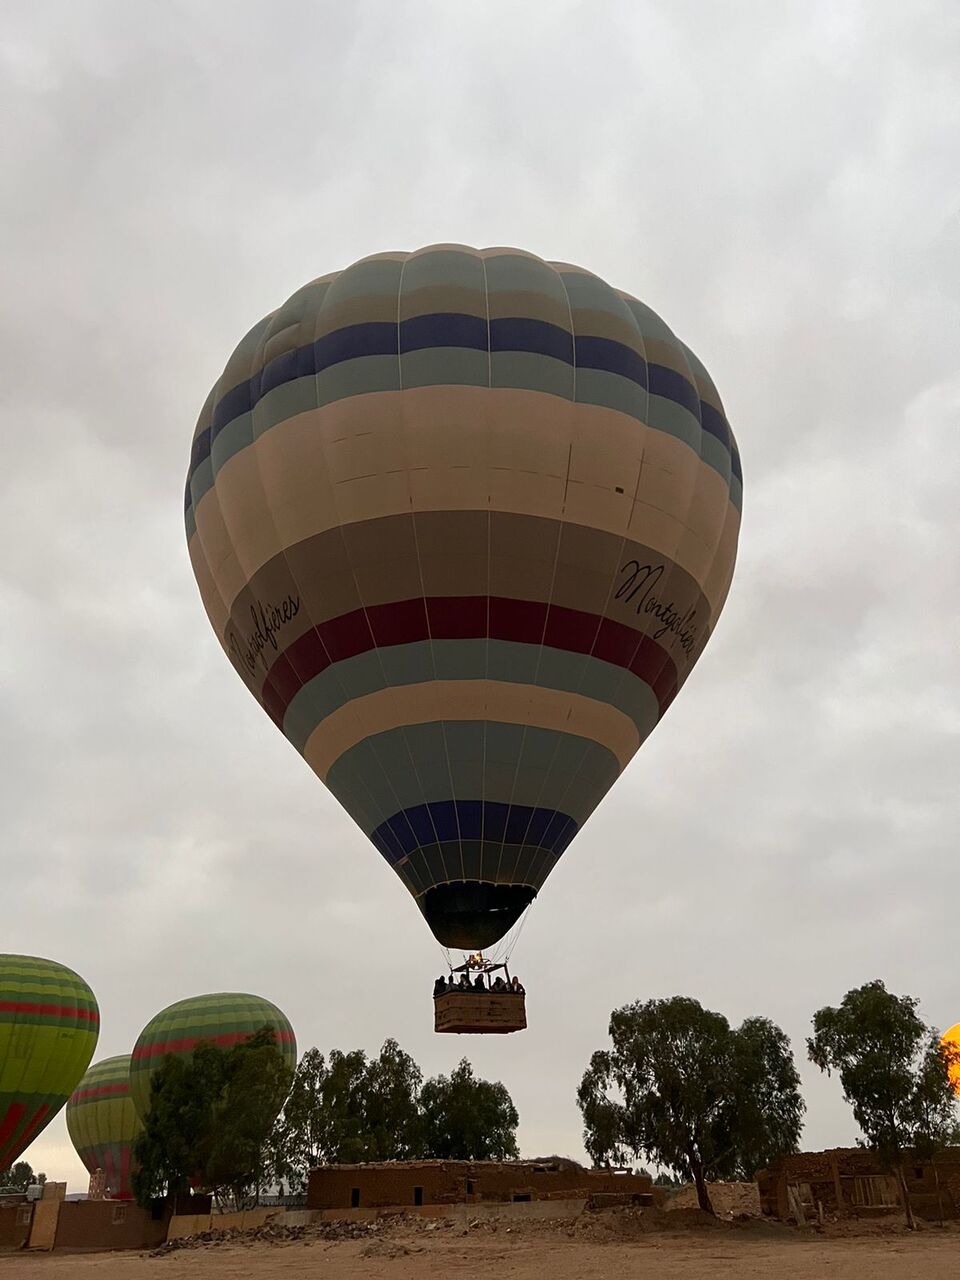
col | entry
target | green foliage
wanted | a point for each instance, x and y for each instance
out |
(346, 1109)
(392, 1109)
(894, 1072)
(684, 1089)
(467, 1119)
(20, 1176)
(349, 1108)
(210, 1120)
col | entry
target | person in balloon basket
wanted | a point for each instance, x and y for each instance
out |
(440, 986)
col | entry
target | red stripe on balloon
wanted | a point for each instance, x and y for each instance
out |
(189, 1042)
(50, 1010)
(14, 1114)
(26, 1135)
(465, 618)
(124, 1191)
(101, 1091)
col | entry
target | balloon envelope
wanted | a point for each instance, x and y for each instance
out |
(463, 520)
(103, 1124)
(225, 1018)
(49, 1024)
(951, 1039)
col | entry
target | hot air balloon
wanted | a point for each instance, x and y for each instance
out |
(951, 1042)
(463, 520)
(49, 1024)
(103, 1124)
(225, 1018)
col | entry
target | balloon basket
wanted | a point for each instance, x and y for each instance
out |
(479, 1013)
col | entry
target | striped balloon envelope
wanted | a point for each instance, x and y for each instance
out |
(225, 1018)
(103, 1124)
(49, 1024)
(463, 520)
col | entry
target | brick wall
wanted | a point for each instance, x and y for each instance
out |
(457, 1182)
(14, 1225)
(844, 1180)
(109, 1224)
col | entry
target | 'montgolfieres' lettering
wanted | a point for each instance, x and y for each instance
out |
(638, 589)
(268, 620)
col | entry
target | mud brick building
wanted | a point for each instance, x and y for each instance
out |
(852, 1182)
(401, 1184)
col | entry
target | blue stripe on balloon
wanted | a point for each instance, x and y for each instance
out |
(445, 330)
(449, 329)
(426, 824)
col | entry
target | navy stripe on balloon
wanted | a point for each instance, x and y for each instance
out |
(488, 820)
(444, 329)
(449, 329)
(537, 337)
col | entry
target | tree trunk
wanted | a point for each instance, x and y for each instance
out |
(703, 1198)
(905, 1197)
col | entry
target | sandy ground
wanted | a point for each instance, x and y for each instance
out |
(532, 1252)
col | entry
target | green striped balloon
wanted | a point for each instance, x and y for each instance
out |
(225, 1018)
(49, 1024)
(103, 1124)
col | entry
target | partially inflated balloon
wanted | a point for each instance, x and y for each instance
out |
(103, 1124)
(49, 1024)
(226, 1018)
(464, 520)
(951, 1041)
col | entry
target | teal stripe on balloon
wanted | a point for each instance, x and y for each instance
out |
(481, 659)
(483, 760)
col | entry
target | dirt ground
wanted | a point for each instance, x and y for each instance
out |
(595, 1247)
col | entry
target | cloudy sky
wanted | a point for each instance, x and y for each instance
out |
(780, 183)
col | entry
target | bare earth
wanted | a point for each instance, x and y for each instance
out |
(608, 1245)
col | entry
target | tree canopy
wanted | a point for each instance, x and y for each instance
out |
(210, 1120)
(20, 1176)
(684, 1089)
(894, 1072)
(464, 1118)
(347, 1108)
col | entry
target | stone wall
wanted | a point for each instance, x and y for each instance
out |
(851, 1181)
(109, 1224)
(15, 1222)
(442, 1182)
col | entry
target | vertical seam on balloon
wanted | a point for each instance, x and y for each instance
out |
(560, 734)
(486, 644)
(553, 859)
(549, 266)
(553, 579)
(426, 612)
(402, 410)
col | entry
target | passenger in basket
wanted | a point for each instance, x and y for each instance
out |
(464, 982)
(478, 983)
(516, 986)
(500, 985)
(440, 986)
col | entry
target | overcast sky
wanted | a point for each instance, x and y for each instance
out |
(780, 182)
